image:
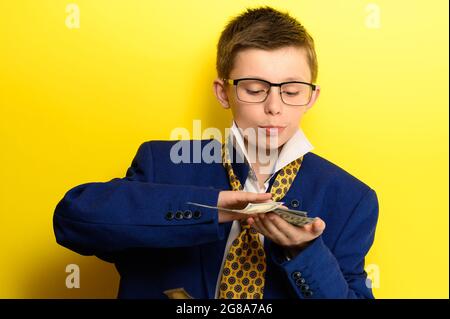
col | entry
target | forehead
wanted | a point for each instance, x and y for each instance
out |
(283, 64)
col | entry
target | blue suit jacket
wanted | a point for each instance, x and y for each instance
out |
(142, 224)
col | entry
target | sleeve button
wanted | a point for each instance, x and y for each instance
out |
(295, 203)
(197, 214)
(179, 215)
(300, 281)
(304, 288)
(169, 216)
(188, 214)
(296, 275)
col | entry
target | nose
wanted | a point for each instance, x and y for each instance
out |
(273, 104)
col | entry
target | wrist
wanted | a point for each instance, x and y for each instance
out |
(293, 251)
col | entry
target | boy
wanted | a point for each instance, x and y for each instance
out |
(159, 241)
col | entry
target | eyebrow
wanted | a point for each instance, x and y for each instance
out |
(288, 79)
(294, 79)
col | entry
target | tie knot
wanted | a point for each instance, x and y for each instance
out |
(244, 225)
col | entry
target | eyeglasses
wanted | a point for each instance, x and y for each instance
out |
(250, 90)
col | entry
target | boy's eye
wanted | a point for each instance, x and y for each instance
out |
(291, 93)
(254, 92)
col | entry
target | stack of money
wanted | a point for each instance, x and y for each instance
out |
(294, 217)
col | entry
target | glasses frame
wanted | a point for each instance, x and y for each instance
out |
(236, 81)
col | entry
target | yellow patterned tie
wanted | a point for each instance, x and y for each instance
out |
(245, 264)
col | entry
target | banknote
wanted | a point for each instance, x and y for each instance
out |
(251, 208)
(294, 217)
(297, 218)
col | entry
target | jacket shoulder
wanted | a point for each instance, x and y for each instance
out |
(184, 161)
(163, 145)
(328, 173)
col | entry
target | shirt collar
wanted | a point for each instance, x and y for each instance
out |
(297, 146)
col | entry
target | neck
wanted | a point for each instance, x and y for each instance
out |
(262, 160)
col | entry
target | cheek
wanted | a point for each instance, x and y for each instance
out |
(246, 116)
(295, 116)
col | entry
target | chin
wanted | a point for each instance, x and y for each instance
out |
(274, 144)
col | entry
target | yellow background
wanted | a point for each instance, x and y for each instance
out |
(75, 104)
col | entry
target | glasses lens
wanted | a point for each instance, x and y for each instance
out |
(296, 93)
(252, 91)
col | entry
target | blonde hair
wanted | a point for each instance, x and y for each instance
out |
(262, 28)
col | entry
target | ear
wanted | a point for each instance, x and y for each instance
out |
(314, 98)
(220, 90)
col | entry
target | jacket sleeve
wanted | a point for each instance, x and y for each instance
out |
(318, 272)
(134, 212)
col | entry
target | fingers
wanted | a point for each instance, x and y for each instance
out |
(283, 226)
(283, 233)
(254, 197)
(270, 229)
(257, 226)
(243, 198)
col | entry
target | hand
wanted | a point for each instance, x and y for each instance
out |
(238, 200)
(293, 238)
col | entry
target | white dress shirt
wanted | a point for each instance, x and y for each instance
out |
(297, 146)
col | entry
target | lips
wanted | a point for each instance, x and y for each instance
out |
(273, 130)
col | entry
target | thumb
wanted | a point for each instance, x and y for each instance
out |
(255, 197)
(318, 226)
